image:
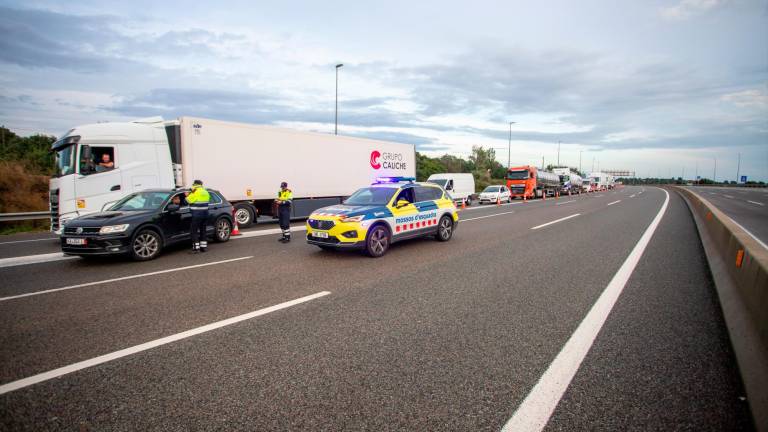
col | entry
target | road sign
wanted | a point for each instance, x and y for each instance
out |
(743, 179)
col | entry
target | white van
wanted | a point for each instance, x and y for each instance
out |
(461, 186)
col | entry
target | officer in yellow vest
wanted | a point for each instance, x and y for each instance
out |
(284, 200)
(198, 200)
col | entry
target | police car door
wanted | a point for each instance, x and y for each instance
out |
(404, 216)
(428, 210)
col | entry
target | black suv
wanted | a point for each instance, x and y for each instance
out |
(141, 224)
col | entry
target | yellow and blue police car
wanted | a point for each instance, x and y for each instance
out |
(390, 210)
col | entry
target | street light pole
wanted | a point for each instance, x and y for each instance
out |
(336, 116)
(558, 154)
(509, 147)
(714, 173)
(580, 160)
(738, 169)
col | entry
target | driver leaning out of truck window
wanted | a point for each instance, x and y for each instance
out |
(106, 163)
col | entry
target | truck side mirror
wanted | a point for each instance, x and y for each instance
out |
(86, 160)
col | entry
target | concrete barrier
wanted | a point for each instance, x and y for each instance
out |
(739, 266)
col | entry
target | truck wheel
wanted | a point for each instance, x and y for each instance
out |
(244, 215)
(469, 201)
(377, 241)
(222, 230)
(444, 229)
(146, 245)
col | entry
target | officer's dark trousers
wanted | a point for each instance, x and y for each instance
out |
(284, 213)
(199, 237)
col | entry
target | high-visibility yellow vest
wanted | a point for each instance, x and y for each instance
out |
(198, 198)
(285, 195)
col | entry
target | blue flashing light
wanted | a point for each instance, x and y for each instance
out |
(380, 180)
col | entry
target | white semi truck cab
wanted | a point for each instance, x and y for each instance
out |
(141, 158)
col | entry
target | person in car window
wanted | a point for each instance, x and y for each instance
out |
(106, 163)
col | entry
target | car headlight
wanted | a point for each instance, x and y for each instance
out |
(344, 219)
(112, 229)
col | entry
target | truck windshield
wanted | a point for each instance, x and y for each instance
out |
(517, 175)
(141, 201)
(441, 182)
(371, 196)
(65, 161)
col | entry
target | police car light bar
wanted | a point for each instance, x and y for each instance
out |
(395, 179)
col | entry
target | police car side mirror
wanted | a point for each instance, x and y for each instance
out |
(401, 203)
(172, 208)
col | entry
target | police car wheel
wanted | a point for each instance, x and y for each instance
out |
(146, 245)
(444, 229)
(223, 230)
(377, 242)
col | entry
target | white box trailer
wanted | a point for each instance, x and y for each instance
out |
(603, 181)
(245, 162)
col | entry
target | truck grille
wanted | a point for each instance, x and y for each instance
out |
(321, 224)
(53, 198)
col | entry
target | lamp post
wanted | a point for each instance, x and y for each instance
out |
(509, 147)
(336, 116)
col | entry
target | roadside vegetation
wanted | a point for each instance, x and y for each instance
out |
(26, 164)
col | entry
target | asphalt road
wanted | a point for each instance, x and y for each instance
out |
(432, 336)
(747, 206)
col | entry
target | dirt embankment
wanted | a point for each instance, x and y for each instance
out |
(21, 191)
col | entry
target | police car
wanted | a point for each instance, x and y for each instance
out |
(390, 210)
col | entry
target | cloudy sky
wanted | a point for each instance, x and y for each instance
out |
(655, 86)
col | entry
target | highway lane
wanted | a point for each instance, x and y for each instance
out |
(746, 206)
(432, 336)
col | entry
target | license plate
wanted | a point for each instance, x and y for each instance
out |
(77, 241)
(319, 234)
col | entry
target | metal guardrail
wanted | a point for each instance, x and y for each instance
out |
(9, 217)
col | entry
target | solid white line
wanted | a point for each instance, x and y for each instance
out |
(33, 259)
(755, 202)
(35, 379)
(483, 217)
(2, 299)
(566, 202)
(537, 408)
(617, 201)
(265, 232)
(489, 206)
(555, 221)
(50, 239)
(748, 232)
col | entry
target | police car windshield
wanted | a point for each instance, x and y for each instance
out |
(141, 201)
(371, 196)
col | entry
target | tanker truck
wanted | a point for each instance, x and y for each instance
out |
(530, 182)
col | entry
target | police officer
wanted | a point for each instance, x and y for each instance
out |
(284, 199)
(198, 200)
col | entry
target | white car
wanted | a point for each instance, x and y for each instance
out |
(495, 193)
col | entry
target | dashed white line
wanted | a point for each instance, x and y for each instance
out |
(50, 239)
(612, 203)
(33, 259)
(101, 282)
(487, 216)
(35, 379)
(537, 408)
(755, 202)
(555, 221)
(727, 196)
(632, 196)
(566, 202)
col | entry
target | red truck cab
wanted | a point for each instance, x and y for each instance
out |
(521, 181)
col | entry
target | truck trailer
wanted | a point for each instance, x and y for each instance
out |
(530, 182)
(603, 181)
(245, 162)
(570, 182)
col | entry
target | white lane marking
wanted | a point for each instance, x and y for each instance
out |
(483, 217)
(50, 239)
(555, 221)
(748, 232)
(537, 408)
(566, 202)
(632, 196)
(755, 202)
(33, 259)
(727, 196)
(265, 232)
(612, 203)
(490, 206)
(87, 284)
(45, 376)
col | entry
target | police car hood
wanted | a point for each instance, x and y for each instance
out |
(352, 210)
